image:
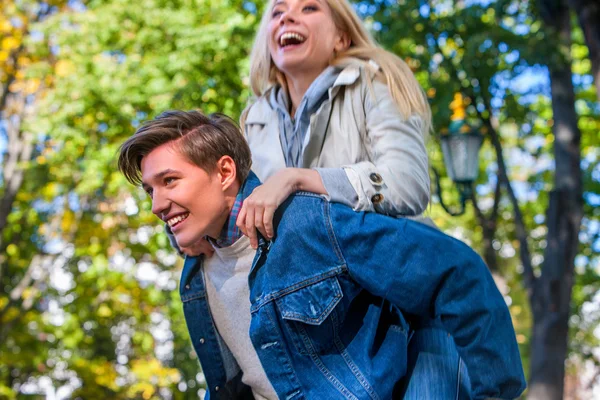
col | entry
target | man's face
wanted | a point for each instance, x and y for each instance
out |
(190, 200)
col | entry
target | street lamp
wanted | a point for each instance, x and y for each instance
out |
(460, 148)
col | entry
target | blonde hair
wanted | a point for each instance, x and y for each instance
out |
(400, 80)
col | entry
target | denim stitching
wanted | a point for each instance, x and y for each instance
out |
(317, 321)
(458, 379)
(189, 297)
(328, 375)
(331, 233)
(353, 367)
(292, 378)
(291, 396)
(295, 287)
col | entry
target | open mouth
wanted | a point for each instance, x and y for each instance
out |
(173, 222)
(290, 39)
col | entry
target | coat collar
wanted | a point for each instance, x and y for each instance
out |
(261, 111)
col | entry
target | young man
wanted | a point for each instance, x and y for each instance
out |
(322, 310)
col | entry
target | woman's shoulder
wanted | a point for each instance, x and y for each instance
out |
(258, 110)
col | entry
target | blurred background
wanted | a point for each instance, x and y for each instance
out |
(89, 306)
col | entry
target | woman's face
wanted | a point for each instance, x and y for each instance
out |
(303, 37)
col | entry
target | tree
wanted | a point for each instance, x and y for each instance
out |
(479, 50)
(88, 295)
(588, 14)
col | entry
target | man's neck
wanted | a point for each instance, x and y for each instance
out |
(229, 232)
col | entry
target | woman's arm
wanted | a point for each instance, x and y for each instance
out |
(258, 208)
(396, 179)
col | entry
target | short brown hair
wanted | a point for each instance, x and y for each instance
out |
(202, 139)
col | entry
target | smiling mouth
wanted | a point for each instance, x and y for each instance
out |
(290, 39)
(173, 222)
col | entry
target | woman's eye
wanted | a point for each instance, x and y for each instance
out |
(276, 13)
(310, 8)
(169, 180)
(149, 192)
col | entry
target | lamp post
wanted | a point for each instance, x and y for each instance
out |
(460, 148)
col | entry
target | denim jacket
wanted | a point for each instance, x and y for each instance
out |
(332, 297)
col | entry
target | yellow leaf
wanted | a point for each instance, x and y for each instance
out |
(32, 86)
(67, 221)
(12, 249)
(5, 26)
(10, 43)
(104, 311)
(64, 68)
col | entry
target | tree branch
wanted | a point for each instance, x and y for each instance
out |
(521, 231)
(529, 277)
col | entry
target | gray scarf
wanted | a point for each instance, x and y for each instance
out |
(293, 132)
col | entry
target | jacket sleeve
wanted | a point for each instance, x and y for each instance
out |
(396, 180)
(427, 273)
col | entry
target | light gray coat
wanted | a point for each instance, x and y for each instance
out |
(361, 129)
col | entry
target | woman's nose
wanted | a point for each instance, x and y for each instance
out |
(288, 16)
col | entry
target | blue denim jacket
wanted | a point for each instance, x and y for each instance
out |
(331, 300)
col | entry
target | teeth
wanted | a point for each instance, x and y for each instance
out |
(176, 219)
(290, 35)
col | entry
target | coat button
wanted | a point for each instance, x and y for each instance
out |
(376, 179)
(377, 198)
(216, 388)
(201, 340)
(187, 287)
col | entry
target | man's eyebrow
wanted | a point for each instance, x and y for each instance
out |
(159, 175)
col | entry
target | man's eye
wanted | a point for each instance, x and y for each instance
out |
(149, 192)
(169, 180)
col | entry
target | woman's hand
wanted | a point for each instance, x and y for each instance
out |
(200, 247)
(258, 208)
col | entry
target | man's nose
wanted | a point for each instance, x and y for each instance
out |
(160, 205)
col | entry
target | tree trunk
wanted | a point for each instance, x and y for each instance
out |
(588, 14)
(551, 294)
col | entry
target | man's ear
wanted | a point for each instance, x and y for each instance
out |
(227, 172)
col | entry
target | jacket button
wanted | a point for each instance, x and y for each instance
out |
(377, 198)
(216, 388)
(376, 179)
(201, 340)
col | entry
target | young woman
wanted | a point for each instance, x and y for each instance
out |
(337, 115)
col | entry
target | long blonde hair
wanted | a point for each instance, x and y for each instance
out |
(400, 80)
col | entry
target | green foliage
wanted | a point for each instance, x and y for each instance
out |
(111, 65)
(91, 273)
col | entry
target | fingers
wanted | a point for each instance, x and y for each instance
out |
(250, 228)
(241, 219)
(259, 220)
(267, 220)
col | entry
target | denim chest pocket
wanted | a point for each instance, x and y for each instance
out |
(312, 315)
